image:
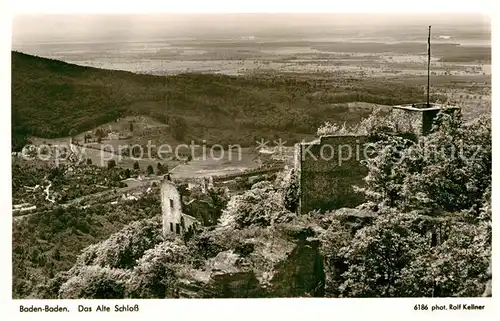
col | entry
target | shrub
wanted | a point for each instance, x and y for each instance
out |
(155, 273)
(94, 282)
(111, 163)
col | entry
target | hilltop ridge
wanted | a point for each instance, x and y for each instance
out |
(51, 97)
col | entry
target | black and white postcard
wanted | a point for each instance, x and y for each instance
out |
(254, 155)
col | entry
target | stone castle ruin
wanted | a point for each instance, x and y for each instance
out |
(418, 118)
(326, 172)
(330, 166)
(327, 169)
(174, 220)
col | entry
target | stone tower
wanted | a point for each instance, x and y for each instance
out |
(419, 118)
(171, 208)
(174, 221)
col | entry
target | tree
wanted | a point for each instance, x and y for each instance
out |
(260, 206)
(99, 139)
(455, 268)
(291, 193)
(447, 170)
(150, 170)
(385, 179)
(131, 127)
(111, 163)
(378, 255)
(161, 169)
(18, 141)
(136, 165)
(179, 128)
(72, 134)
(126, 173)
(183, 189)
(124, 248)
(155, 274)
(99, 133)
(455, 169)
(95, 282)
(89, 161)
(218, 198)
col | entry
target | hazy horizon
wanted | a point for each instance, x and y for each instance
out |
(127, 27)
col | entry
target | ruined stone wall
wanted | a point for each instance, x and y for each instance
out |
(407, 121)
(328, 170)
(187, 221)
(203, 211)
(171, 208)
(419, 122)
(302, 273)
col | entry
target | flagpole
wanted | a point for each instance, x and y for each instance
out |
(428, 66)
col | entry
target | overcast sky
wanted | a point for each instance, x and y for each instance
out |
(19, 6)
(93, 27)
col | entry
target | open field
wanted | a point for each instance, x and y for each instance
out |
(218, 163)
(294, 60)
(206, 161)
(374, 52)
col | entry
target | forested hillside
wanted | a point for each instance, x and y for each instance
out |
(424, 232)
(47, 243)
(50, 97)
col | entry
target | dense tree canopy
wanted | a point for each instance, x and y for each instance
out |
(50, 98)
(448, 170)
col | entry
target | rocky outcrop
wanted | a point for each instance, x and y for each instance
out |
(354, 219)
(284, 260)
(301, 274)
(223, 277)
(281, 268)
